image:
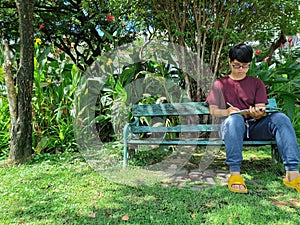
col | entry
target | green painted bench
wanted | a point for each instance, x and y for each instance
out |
(188, 131)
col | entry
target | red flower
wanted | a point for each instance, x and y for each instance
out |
(290, 40)
(110, 17)
(42, 26)
(64, 111)
(267, 59)
(282, 45)
(79, 121)
(257, 52)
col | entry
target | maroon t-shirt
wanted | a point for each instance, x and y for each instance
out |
(239, 93)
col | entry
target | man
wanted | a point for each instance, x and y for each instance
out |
(238, 91)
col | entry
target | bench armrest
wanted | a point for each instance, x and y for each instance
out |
(126, 133)
(127, 128)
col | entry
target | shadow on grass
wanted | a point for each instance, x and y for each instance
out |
(156, 205)
(69, 192)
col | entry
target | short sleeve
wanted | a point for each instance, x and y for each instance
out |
(261, 93)
(215, 96)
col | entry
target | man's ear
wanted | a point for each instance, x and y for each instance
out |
(229, 60)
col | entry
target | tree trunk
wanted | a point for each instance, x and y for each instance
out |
(21, 129)
(281, 40)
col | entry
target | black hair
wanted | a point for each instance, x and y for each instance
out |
(241, 52)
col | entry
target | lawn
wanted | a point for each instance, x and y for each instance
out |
(63, 189)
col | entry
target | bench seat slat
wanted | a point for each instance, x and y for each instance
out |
(191, 142)
(176, 129)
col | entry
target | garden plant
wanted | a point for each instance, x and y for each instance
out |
(58, 185)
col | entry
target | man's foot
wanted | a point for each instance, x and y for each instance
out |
(292, 180)
(236, 183)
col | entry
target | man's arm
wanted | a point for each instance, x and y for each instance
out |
(215, 111)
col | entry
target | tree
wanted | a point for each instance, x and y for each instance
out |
(84, 29)
(208, 28)
(20, 95)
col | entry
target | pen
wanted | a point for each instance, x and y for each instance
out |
(229, 104)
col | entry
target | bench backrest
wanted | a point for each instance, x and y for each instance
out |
(170, 109)
(178, 109)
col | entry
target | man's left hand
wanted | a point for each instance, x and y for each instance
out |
(257, 112)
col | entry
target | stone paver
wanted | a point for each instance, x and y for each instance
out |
(197, 179)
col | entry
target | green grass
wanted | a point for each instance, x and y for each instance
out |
(63, 189)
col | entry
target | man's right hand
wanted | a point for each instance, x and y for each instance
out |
(231, 110)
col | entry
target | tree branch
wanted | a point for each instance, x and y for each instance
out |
(10, 84)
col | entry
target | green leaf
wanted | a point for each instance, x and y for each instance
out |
(41, 145)
(289, 104)
(108, 35)
(121, 91)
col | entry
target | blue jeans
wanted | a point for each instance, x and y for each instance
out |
(273, 126)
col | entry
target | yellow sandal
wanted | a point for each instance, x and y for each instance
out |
(293, 183)
(237, 179)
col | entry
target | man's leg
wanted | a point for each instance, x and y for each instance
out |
(279, 127)
(232, 132)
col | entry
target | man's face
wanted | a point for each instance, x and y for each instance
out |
(239, 69)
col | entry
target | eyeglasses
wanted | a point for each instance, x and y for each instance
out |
(238, 66)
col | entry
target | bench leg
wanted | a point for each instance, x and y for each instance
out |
(125, 155)
(125, 134)
(275, 155)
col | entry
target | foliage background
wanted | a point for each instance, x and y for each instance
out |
(70, 39)
(62, 188)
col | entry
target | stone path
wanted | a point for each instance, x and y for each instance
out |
(197, 179)
(196, 175)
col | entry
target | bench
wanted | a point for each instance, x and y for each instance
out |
(194, 127)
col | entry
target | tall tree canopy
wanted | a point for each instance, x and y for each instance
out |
(85, 29)
(209, 27)
(82, 29)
